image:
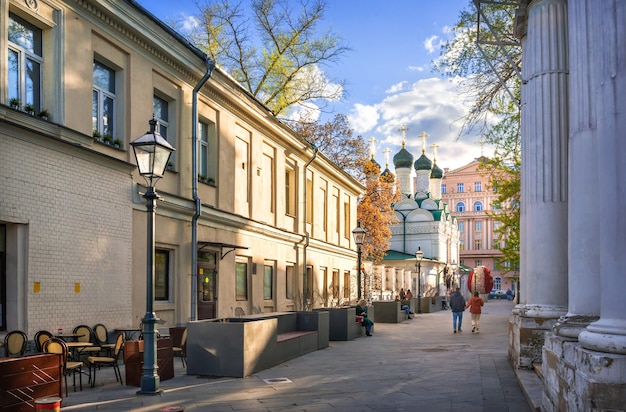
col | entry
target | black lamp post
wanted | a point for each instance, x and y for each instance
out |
(359, 236)
(418, 256)
(152, 153)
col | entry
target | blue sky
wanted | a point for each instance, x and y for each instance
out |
(388, 74)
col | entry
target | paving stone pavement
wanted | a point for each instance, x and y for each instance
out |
(413, 366)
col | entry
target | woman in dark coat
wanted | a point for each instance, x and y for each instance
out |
(361, 310)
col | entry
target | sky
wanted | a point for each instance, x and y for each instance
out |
(388, 76)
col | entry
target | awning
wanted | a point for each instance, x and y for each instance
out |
(221, 246)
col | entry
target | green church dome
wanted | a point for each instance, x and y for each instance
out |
(436, 172)
(423, 163)
(403, 159)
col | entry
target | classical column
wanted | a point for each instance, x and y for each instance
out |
(609, 333)
(583, 216)
(544, 178)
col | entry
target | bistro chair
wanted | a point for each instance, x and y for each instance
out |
(15, 343)
(56, 345)
(87, 336)
(96, 362)
(40, 338)
(101, 334)
(180, 350)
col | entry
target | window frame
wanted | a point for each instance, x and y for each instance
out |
(444, 188)
(166, 284)
(478, 206)
(23, 57)
(268, 280)
(478, 186)
(241, 280)
(460, 187)
(460, 207)
(102, 95)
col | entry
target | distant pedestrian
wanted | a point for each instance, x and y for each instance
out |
(405, 308)
(402, 294)
(509, 295)
(475, 303)
(408, 295)
(457, 304)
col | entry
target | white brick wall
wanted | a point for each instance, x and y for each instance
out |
(79, 216)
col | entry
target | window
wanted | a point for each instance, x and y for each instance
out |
(335, 285)
(478, 226)
(461, 245)
(309, 200)
(241, 280)
(347, 231)
(103, 104)
(289, 282)
(25, 62)
(478, 262)
(478, 206)
(478, 187)
(290, 191)
(161, 274)
(268, 281)
(443, 189)
(460, 207)
(207, 152)
(161, 114)
(346, 285)
(461, 226)
(3, 278)
(459, 187)
(477, 244)
(497, 283)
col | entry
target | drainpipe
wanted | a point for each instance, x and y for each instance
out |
(306, 232)
(210, 65)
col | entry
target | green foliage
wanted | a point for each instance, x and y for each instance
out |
(272, 49)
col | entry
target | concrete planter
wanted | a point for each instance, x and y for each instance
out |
(239, 347)
(342, 323)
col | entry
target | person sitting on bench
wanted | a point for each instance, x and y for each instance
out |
(361, 310)
(405, 308)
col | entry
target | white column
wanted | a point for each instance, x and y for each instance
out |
(403, 174)
(583, 213)
(544, 160)
(609, 29)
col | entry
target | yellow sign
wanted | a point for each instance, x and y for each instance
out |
(76, 287)
(36, 287)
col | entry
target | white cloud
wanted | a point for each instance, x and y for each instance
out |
(396, 87)
(363, 118)
(432, 43)
(416, 68)
(189, 23)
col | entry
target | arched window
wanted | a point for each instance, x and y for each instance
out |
(497, 283)
(460, 207)
(478, 206)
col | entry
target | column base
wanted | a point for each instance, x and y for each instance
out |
(570, 326)
(605, 336)
(576, 379)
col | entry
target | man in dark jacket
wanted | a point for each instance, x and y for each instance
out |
(457, 304)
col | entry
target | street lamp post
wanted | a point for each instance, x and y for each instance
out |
(152, 153)
(418, 256)
(359, 236)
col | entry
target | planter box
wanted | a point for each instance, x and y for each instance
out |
(388, 311)
(133, 360)
(239, 347)
(24, 379)
(342, 324)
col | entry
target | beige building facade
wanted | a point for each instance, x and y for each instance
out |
(275, 216)
(470, 197)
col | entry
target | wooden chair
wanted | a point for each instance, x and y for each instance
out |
(40, 338)
(180, 350)
(102, 338)
(87, 336)
(96, 362)
(15, 343)
(56, 345)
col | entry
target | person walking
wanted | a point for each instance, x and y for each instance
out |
(457, 304)
(475, 303)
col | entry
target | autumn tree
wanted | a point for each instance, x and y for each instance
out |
(336, 140)
(273, 48)
(375, 212)
(485, 53)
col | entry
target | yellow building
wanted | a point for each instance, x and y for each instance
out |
(274, 213)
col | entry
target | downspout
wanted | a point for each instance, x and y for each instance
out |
(210, 65)
(306, 232)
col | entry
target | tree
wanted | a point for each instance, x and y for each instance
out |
(336, 140)
(375, 212)
(273, 50)
(489, 58)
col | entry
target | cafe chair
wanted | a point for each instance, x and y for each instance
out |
(15, 343)
(96, 362)
(101, 334)
(40, 338)
(56, 345)
(87, 336)
(180, 350)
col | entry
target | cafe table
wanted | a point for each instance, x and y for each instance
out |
(128, 332)
(69, 337)
(74, 347)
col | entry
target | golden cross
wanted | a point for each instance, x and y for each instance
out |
(403, 129)
(386, 152)
(434, 146)
(372, 147)
(424, 135)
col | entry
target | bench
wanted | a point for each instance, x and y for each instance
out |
(239, 347)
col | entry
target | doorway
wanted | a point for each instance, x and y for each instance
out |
(207, 282)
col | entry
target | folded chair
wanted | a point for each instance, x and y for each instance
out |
(180, 350)
(56, 345)
(96, 362)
